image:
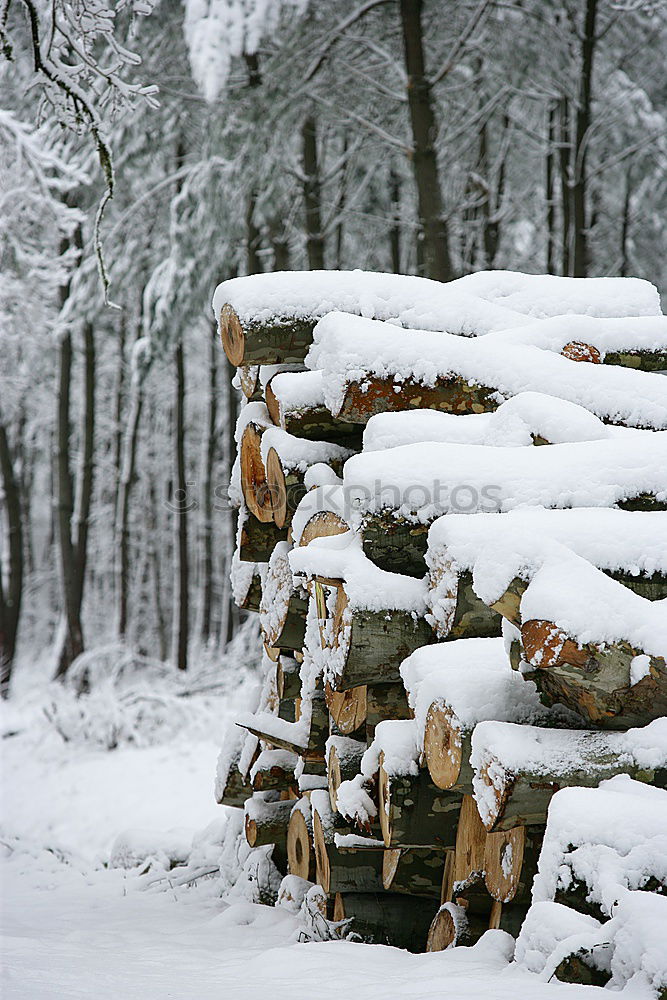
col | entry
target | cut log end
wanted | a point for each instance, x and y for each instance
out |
(272, 404)
(384, 802)
(231, 335)
(299, 850)
(277, 487)
(442, 932)
(503, 861)
(249, 379)
(250, 831)
(576, 350)
(390, 862)
(442, 746)
(253, 476)
(334, 777)
(323, 525)
(347, 708)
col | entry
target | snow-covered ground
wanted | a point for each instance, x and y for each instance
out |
(73, 928)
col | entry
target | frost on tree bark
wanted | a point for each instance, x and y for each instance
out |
(12, 592)
(435, 236)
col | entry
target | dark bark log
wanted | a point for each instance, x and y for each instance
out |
(435, 236)
(207, 571)
(10, 596)
(259, 540)
(395, 228)
(386, 918)
(416, 871)
(181, 590)
(312, 195)
(583, 125)
(363, 399)
(414, 812)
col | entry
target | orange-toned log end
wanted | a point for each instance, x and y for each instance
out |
(576, 350)
(250, 831)
(299, 851)
(253, 476)
(272, 652)
(503, 861)
(275, 478)
(339, 907)
(347, 708)
(389, 866)
(442, 932)
(470, 841)
(231, 335)
(442, 746)
(500, 794)
(272, 404)
(545, 645)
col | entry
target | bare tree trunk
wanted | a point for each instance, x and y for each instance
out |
(625, 226)
(230, 616)
(340, 208)
(10, 600)
(86, 472)
(181, 592)
(155, 564)
(583, 121)
(119, 397)
(564, 156)
(395, 228)
(312, 196)
(207, 582)
(549, 191)
(127, 480)
(435, 237)
(253, 237)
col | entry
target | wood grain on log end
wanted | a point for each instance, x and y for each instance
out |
(231, 335)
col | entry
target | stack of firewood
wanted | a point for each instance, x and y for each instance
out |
(461, 584)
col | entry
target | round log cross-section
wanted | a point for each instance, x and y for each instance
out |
(231, 335)
(253, 476)
(442, 746)
(300, 851)
(576, 350)
(347, 708)
(277, 488)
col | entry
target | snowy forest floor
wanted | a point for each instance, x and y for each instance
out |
(73, 928)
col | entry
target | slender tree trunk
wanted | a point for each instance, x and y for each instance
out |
(181, 592)
(549, 193)
(207, 575)
(230, 616)
(583, 121)
(395, 228)
(342, 199)
(119, 398)
(564, 158)
(625, 226)
(86, 473)
(253, 237)
(312, 195)
(435, 237)
(10, 599)
(127, 481)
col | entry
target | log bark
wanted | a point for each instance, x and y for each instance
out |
(385, 701)
(386, 918)
(288, 633)
(646, 361)
(258, 540)
(522, 797)
(579, 968)
(251, 600)
(314, 423)
(364, 398)
(281, 340)
(275, 777)
(472, 618)
(593, 679)
(300, 848)
(395, 544)
(346, 870)
(254, 485)
(271, 828)
(414, 813)
(416, 871)
(288, 678)
(508, 917)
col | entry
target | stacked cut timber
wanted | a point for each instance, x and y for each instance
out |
(461, 585)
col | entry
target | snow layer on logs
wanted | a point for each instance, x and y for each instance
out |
(298, 390)
(350, 348)
(475, 304)
(417, 481)
(369, 588)
(514, 424)
(474, 678)
(277, 590)
(591, 607)
(325, 495)
(612, 838)
(503, 749)
(496, 548)
(297, 453)
(638, 333)
(542, 295)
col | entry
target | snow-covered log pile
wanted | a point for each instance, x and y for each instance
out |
(452, 524)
